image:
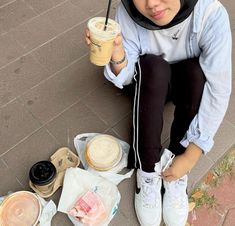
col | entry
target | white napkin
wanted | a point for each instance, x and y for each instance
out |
(48, 211)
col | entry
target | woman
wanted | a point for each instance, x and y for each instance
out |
(178, 50)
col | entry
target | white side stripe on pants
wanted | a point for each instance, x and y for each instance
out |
(136, 117)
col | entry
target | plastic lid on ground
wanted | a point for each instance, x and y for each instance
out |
(21, 208)
(103, 152)
(42, 173)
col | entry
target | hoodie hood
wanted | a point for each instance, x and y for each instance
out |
(186, 8)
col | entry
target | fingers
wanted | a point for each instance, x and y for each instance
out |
(87, 37)
(118, 40)
(88, 41)
(169, 178)
(168, 175)
(87, 32)
(167, 172)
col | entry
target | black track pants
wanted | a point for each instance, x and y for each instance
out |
(156, 82)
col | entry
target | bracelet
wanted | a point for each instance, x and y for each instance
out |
(120, 61)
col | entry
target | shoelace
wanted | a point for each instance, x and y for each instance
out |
(149, 193)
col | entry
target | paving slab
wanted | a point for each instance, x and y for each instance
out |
(14, 14)
(123, 128)
(230, 7)
(5, 2)
(40, 6)
(206, 217)
(108, 97)
(198, 172)
(214, 196)
(16, 125)
(230, 115)
(224, 192)
(65, 16)
(59, 53)
(230, 218)
(76, 120)
(50, 92)
(19, 76)
(11, 183)
(39, 146)
(57, 2)
(10, 50)
(127, 199)
(62, 90)
(224, 140)
(34, 33)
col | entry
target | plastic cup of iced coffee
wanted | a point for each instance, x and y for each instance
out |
(101, 47)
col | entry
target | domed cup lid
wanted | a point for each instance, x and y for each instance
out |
(42, 173)
(20, 208)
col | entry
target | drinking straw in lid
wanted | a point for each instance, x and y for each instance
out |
(107, 15)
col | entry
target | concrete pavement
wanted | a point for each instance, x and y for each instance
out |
(50, 92)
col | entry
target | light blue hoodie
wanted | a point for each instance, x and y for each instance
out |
(210, 40)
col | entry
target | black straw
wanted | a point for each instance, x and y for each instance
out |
(107, 15)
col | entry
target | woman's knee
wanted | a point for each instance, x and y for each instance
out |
(194, 72)
(154, 68)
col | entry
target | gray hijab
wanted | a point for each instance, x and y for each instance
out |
(186, 8)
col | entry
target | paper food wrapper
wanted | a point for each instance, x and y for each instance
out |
(77, 182)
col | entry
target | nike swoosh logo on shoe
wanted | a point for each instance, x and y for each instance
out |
(137, 190)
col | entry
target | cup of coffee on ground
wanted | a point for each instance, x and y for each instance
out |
(43, 174)
(101, 47)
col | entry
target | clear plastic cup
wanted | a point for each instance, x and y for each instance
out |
(101, 47)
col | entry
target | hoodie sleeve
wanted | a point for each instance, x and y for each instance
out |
(132, 46)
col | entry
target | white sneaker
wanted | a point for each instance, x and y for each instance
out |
(175, 202)
(148, 203)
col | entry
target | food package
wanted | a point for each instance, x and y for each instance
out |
(89, 209)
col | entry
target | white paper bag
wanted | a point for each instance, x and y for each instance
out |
(77, 182)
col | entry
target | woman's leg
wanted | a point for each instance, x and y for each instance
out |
(152, 85)
(187, 87)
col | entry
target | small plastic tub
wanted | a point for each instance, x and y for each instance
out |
(21, 208)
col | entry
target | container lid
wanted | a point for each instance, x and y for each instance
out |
(96, 26)
(42, 173)
(20, 208)
(103, 152)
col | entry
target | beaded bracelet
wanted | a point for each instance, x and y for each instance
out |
(120, 61)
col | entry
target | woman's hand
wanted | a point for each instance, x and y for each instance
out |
(118, 54)
(117, 43)
(87, 37)
(180, 166)
(183, 163)
(118, 51)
